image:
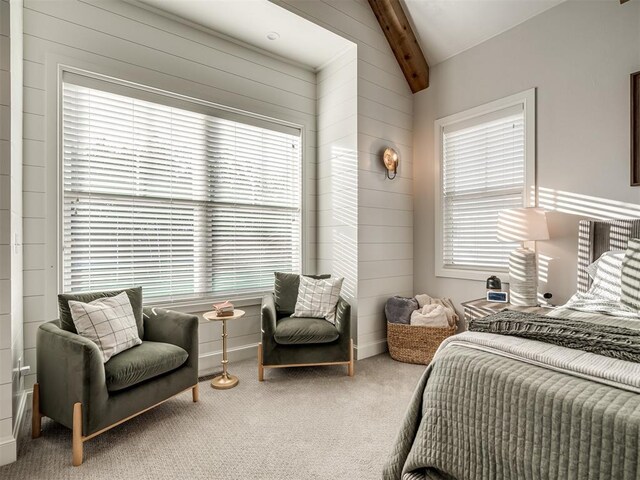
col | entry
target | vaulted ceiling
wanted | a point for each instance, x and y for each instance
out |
(445, 28)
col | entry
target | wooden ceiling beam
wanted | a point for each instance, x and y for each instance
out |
(403, 42)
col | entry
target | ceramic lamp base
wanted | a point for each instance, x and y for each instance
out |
(523, 278)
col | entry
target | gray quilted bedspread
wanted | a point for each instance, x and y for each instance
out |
(478, 415)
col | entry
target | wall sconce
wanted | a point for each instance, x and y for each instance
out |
(391, 159)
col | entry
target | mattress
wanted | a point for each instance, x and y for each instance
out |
(496, 407)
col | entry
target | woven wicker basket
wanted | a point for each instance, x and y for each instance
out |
(415, 343)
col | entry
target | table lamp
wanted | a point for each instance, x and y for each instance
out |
(523, 225)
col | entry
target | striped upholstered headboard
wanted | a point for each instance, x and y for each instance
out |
(597, 237)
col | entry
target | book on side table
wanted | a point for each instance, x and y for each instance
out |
(224, 309)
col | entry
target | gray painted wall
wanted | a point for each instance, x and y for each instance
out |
(579, 56)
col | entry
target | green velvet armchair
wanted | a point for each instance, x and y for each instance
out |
(300, 342)
(76, 389)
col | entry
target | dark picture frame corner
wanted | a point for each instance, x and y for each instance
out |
(635, 129)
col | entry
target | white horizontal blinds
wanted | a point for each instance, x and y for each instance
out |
(483, 172)
(255, 221)
(185, 204)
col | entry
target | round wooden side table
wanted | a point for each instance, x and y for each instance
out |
(224, 381)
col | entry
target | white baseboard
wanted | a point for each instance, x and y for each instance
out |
(8, 450)
(20, 414)
(366, 350)
(209, 363)
(9, 445)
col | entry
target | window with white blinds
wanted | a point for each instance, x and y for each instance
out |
(484, 169)
(184, 199)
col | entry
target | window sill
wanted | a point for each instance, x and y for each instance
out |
(205, 305)
(467, 274)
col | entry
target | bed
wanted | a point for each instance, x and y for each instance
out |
(501, 406)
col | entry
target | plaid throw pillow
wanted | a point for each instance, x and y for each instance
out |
(108, 322)
(631, 275)
(318, 298)
(286, 290)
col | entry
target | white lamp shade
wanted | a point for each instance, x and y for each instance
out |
(522, 225)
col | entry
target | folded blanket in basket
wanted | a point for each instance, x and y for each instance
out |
(604, 339)
(446, 303)
(430, 316)
(398, 309)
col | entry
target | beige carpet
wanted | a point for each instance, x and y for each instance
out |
(305, 423)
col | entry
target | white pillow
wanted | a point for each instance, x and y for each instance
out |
(607, 281)
(630, 284)
(108, 322)
(593, 268)
(318, 298)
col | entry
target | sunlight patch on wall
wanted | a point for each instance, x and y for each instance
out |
(344, 217)
(544, 263)
(581, 206)
(543, 268)
(585, 205)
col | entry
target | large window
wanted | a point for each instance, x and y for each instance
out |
(486, 165)
(185, 199)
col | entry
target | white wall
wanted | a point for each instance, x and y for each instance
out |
(7, 447)
(337, 216)
(385, 208)
(17, 187)
(122, 40)
(11, 343)
(579, 56)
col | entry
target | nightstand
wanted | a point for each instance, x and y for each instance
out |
(481, 308)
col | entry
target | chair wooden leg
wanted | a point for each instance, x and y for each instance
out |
(77, 434)
(260, 367)
(196, 393)
(350, 369)
(36, 418)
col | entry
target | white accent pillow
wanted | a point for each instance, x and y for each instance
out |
(630, 283)
(318, 298)
(607, 281)
(592, 269)
(108, 322)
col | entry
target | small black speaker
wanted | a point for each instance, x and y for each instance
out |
(494, 283)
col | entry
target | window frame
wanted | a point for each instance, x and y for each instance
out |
(175, 99)
(527, 99)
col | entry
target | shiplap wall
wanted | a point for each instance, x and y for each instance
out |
(122, 40)
(337, 216)
(11, 337)
(17, 187)
(385, 208)
(5, 236)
